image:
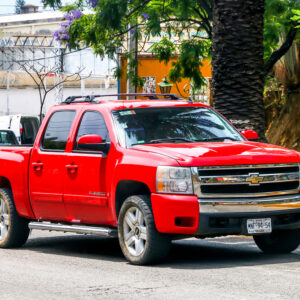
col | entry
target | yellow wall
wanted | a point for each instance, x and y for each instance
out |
(151, 67)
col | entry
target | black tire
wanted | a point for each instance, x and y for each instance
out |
(156, 245)
(17, 227)
(284, 241)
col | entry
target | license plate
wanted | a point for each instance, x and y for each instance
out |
(259, 225)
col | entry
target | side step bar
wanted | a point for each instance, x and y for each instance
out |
(83, 229)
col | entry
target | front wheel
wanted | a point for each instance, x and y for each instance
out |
(140, 242)
(284, 241)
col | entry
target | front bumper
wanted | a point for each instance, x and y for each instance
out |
(188, 215)
(178, 214)
(223, 217)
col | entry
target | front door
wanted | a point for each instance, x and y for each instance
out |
(46, 168)
(85, 194)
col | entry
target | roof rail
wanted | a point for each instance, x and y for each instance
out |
(72, 99)
(90, 98)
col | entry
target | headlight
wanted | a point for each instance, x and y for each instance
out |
(174, 180)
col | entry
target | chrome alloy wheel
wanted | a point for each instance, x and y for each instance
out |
(4, 220)
(135, 231)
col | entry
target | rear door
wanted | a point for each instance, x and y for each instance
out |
(85, 194)
(47, 167)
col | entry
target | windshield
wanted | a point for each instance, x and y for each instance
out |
(172, 125)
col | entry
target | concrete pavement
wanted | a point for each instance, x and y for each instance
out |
(63, 266)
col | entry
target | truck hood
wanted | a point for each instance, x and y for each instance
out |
(223, 153)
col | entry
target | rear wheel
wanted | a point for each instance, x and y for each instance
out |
(284, 241)
(140, 242)
(14, 229)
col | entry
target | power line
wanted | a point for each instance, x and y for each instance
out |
(43, 58)
(10, 5)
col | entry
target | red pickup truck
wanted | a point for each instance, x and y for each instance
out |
(148, 171)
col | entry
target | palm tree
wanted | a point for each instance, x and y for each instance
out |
(237, 62)
(19, 4)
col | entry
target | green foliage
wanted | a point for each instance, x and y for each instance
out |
(163, 50)
(296, 17)
(106, 30)
(192, 53)
(278, 15)
(53, 3)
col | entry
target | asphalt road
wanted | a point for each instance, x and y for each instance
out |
(61, 266)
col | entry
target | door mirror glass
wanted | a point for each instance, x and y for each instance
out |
(92, 142)
(249, 134)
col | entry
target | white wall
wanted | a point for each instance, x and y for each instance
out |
(26, 100)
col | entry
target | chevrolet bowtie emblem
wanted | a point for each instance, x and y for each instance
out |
(254, 179)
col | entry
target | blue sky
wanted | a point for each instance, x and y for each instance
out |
(8, 6)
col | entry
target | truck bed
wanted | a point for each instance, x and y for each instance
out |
(14, 166)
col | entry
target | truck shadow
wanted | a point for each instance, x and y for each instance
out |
(81, 246)
(185, 254)
(223, 253)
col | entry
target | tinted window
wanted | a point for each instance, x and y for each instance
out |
(58, 129)
(92, 122)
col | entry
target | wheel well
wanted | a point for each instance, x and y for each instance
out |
(4, 183)
(127, 188)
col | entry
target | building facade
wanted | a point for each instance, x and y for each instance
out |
(27, 39)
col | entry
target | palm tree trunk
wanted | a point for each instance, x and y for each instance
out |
(237, 62)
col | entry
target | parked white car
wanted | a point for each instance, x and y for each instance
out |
(25, 128)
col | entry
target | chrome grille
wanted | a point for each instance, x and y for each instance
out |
(247, 181)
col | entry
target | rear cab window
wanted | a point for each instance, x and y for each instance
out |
(57, 131)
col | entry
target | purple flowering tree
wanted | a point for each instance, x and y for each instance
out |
(62, 34)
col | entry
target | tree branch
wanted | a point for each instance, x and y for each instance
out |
(205, 23)
(137, 8)
(276, 55)
(206, 7)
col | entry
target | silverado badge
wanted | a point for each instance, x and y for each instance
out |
(254, 179)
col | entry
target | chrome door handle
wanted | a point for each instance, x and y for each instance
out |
(72, 168)
(37, 166)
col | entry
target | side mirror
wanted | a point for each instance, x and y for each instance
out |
(93, 142)
(249, 134)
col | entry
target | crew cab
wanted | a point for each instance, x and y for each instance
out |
(147, 171)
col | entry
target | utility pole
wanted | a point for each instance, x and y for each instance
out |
(82, 87)
(7, 92)
(59, 95)
(132, 46)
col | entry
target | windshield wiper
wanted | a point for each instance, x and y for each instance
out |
(170, 140)
(222, 138)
